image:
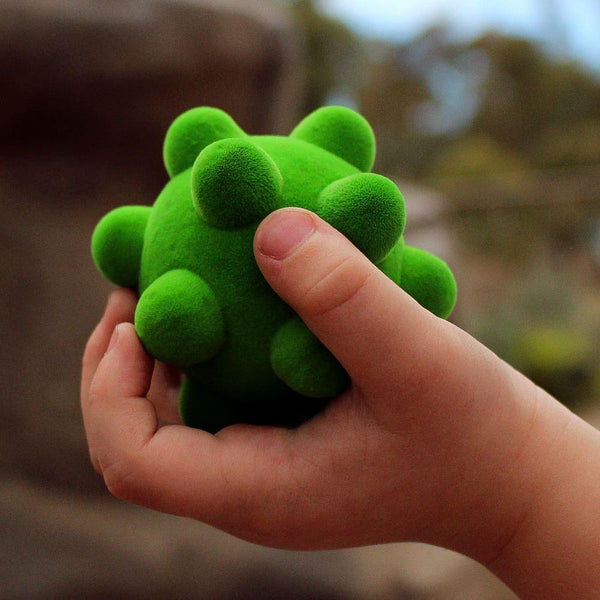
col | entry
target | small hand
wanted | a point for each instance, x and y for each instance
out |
(437, 440)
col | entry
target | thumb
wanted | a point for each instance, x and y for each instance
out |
(384, 339)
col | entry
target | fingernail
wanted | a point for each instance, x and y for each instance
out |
(113, 339)
(284, 232)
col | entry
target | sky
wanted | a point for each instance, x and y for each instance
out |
(565, 26)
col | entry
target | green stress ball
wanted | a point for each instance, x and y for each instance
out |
(204, 305)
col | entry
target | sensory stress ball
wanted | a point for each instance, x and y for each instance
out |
(204, 306)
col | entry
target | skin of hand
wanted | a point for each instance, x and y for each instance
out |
(437, 440)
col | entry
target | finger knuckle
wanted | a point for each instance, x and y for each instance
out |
(337, 288)
(93, 456)
(87, 361)
(121, 479)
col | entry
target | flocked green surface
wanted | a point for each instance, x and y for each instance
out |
(117, 244)
(205, 307)
(428, 280)
(191, 328)
(368, 208)
(304, 364)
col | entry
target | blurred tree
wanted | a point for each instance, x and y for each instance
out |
(333, 56)
(447, 107)
(497, 91)
(389, 99)
(560, 144)
(399, 97)
(511, 135)
(527, 91)
(475, 155)
(549, 329)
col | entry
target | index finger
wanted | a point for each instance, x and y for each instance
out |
(120, 308)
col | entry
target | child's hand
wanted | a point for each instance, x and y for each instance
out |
(437, 440)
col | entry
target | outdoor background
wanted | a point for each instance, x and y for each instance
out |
(486, 114)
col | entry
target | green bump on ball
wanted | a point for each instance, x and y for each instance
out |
(235, 183)
(429, 280)
(204, 305)
(368, 209)
(304, 363)
(193, 131)
(342, 132)
(179, 319)
(391, 265)
(117, 244)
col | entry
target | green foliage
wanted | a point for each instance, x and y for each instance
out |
(425, 96)
(549, 349)
(389, 97)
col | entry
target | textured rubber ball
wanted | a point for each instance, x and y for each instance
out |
(117, 244)
(368, 209)
(191, 132)
(429, 280)
(235, 183)
(301, 360)
(342, 132)
(179, 319)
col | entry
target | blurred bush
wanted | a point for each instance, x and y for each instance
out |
(559, 359)
(509, 134)
(548, 327)
(333, 56)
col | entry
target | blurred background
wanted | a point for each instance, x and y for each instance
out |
(486, 114)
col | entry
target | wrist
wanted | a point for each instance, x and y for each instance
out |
(520, 446)
(555, 543)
